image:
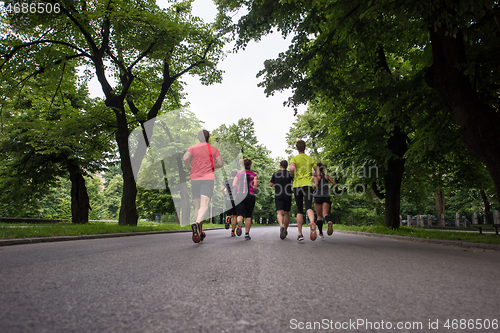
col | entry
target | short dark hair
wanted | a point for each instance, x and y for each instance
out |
(322, 167)
(203, 135)
(300, 145)
(234, 172)
(284, 164)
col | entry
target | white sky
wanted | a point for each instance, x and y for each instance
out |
(238, 95)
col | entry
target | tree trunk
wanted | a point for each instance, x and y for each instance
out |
(395, 169)
(487, 216)
(479, 122)
(80, 204)
(128, 210)
(440, 205)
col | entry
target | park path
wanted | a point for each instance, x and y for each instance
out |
(166, 283)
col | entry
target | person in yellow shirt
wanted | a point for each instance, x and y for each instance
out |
(300, 168)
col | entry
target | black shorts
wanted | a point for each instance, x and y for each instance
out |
(245, 207)
(283, 203)
(202, 187)
(230, 209)
(303, 196)
(322, 200)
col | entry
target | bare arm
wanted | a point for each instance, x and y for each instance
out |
(271, 184)
(316, 180)
(292, 169)
(316, 171)
(330, 179)
(187, 160)
(255, 183)
(218, 162)
(235, 182)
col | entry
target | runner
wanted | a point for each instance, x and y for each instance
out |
(322, 200)
(282, 183)
(300, 168)
(202, 160)
(229, 192)
(246, 184)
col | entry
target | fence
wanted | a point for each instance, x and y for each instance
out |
(429, 221)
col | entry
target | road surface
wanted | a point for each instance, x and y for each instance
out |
(167, 283)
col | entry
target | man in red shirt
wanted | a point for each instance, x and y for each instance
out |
(202, 160)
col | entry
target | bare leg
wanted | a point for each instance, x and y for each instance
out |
(319, 211)
(287, 220)
(196, 208)
(203, 208)
(248, 224)
(233, 223)
(300, 220)
(319, 217)
(280, 217)
(310, 214)
(326, 209)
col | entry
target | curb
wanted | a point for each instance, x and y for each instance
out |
(19, 241)
(468, 245)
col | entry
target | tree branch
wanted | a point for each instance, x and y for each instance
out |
(16, 48)
(199, 62)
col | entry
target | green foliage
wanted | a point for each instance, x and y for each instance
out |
(57, 203)
(143, 47)
(361, 68)
(48, 127)
(113, 194)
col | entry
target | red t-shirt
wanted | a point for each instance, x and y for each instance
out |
(202, 166)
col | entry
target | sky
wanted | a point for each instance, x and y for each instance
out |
(238, 95)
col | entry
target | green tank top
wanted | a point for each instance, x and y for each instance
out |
(303, 170)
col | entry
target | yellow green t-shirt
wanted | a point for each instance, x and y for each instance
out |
(303, 168)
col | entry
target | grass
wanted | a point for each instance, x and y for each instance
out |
(474, 236)
(9, 231)
(18, 230)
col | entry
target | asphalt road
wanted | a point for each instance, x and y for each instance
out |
(167, 283)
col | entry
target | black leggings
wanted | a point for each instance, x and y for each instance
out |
(303, 195)
(245, 207)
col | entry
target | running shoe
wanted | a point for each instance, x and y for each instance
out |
(202, 236)
(247, 237)
(282, 232)
(196, 232)
(233, 234)
(321, 236)
(226, 225)
(313, 234)
(300, 238)
(330, 228)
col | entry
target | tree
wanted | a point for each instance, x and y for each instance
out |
(145, 48)
(51, 132)
(337, 43)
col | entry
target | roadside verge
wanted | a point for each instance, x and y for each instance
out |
(468, 245)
